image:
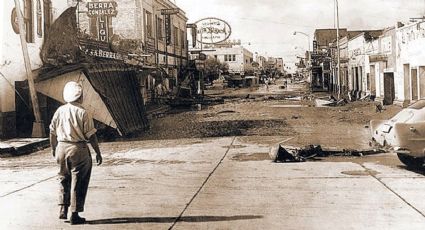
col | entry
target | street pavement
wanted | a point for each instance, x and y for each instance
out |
(215, 183)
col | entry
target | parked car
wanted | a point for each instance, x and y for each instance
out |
(405, 133)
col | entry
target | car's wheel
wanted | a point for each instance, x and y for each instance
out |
(409, 161)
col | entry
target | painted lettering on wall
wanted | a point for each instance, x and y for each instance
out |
(101, 9)
(104, 54)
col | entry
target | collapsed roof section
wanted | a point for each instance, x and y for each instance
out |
(111, 93)
(111, 87)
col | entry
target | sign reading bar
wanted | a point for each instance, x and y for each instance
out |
(170, 11)
(212, 30)
(96, 9)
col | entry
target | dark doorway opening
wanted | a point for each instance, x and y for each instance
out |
(389, 90)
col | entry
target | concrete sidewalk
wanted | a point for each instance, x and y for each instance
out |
(22, 146)
(218, 183)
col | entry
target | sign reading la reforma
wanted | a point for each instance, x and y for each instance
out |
(212, 30)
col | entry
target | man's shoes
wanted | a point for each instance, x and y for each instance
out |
(63, 213)
(76, 219)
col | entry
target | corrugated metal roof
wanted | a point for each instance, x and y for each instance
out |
(115, 83)
(118, 87)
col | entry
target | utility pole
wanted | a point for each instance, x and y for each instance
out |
(338, 54)
(308, 47)
(38, 126)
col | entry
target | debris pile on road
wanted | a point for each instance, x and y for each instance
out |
(281, 153)
(330, 101)
(285, 154)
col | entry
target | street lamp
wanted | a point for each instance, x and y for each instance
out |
(308, 37)
(308, 62)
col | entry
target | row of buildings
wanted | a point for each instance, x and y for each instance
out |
(387, 64)
(241, 60)
(143, 42)
(124, 53)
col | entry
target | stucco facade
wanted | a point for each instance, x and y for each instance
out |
(410, 62)
(238, 58)
(39, 14)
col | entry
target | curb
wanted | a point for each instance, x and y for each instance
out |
(24, 149)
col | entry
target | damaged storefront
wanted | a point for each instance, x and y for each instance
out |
(128, 54)
(125, 64)
(108, 73)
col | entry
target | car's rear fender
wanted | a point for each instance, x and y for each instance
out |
(377, 134)
(410, 137)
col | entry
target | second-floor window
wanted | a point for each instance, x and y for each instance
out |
(159, 29)
(182, 39)
(28, 20)
(230, 57)
(148, 20)
(48, 14)
(176, 35)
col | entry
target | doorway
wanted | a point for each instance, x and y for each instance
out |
(421, 82)
(414, 84)
(389, 89)
(372, 80)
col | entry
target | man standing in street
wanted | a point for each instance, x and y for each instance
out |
(71, 129)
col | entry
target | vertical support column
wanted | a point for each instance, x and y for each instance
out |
(38, 126)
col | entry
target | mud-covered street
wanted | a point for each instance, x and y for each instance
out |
(211, 169)
(286, 113)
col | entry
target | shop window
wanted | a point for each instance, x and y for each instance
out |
(28, 20)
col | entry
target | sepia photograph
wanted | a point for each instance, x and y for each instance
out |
(212, 114)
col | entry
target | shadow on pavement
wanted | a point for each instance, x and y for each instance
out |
(418, 170)
(130, 220)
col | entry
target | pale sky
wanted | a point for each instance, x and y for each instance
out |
(267, 26)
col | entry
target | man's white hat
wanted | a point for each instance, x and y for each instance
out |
(72, 91)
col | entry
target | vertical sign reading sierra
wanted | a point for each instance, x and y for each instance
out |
(167, 19)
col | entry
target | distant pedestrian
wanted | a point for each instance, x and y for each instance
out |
(70, 130)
